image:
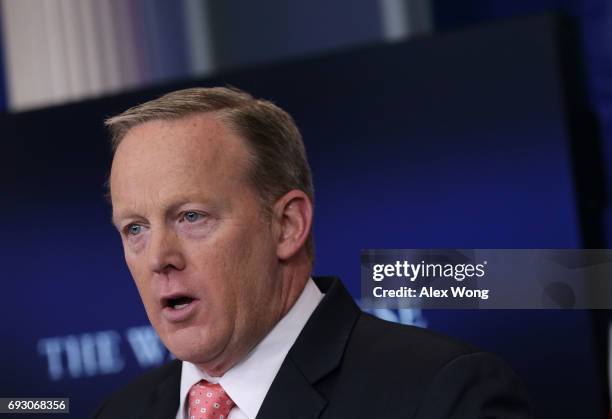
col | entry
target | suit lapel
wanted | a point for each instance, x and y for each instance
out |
(165, 400)
(291, 396)
(317, 352)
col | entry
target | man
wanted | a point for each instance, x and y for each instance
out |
(212, 195)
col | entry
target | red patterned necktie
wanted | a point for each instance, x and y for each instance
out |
(208, 401)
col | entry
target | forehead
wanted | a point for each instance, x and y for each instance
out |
(187, 153)
(203, 136)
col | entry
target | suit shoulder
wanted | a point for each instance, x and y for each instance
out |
(149, 378)
(138, 390)
(387, 342)
(404, 370)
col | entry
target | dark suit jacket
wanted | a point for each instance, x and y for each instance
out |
(347, 364)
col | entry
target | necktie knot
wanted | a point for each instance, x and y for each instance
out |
(208, 401)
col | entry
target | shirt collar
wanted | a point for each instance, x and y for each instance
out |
(248, 382)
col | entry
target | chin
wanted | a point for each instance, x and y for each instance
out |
(188, 346)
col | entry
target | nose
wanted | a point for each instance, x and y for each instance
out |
(164, 252)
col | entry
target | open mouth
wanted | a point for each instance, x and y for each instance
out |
(177, 307)
(178, 303)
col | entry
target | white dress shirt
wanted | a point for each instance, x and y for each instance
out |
(248, 382)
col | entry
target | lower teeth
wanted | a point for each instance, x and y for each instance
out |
(180, 306)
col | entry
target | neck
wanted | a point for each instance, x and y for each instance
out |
(295, 282)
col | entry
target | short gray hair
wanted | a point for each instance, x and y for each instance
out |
(279, 163)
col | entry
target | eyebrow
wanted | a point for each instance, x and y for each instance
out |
(115, 219)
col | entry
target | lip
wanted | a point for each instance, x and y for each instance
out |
(172, 315)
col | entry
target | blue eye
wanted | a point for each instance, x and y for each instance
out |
(134, 229)
(191, 216)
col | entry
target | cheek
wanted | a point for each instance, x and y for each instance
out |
(225, 268)
(138, 274)
(248, 268)
(132, 253)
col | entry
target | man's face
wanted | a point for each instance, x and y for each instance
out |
(201, 252)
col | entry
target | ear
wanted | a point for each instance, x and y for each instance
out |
(293, 212)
